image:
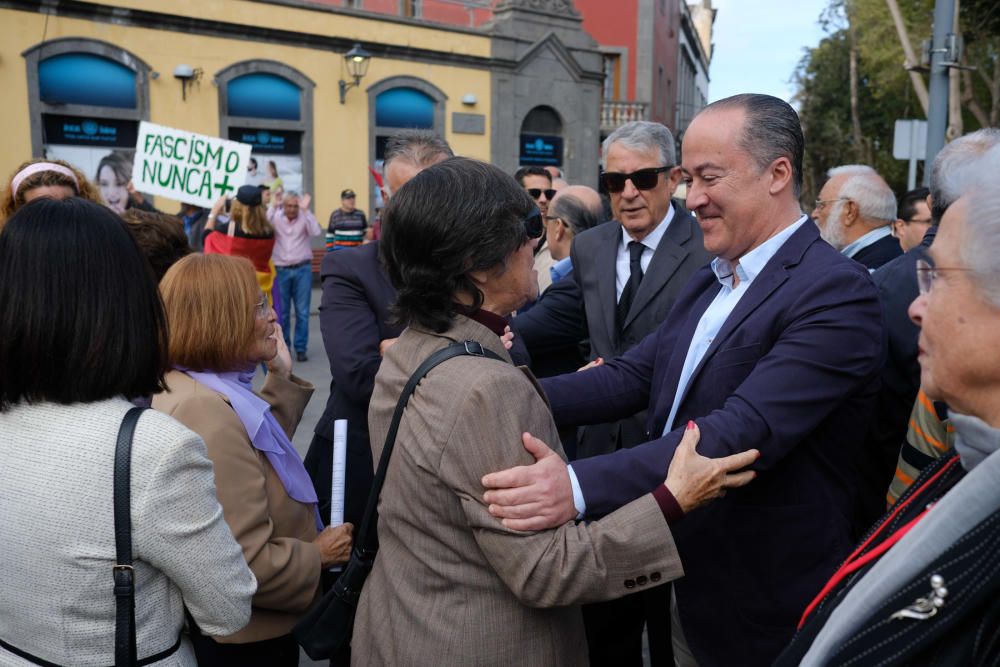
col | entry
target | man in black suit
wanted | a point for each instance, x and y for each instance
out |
(855, 212)
(354, 319)
(630, 271)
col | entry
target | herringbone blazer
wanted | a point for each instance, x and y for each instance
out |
(451, 585)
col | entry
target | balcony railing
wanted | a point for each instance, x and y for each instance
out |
(616, 113)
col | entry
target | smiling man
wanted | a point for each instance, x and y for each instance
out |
(630, 271)
(776, 346)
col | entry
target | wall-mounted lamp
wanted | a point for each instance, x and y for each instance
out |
(186, 75)
(469, 100)
(357, 60)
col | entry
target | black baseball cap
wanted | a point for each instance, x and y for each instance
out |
(248, 195)
(347, 194)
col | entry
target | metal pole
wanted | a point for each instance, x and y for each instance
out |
(937, 112)
(911, 178)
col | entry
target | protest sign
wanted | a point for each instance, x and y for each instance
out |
(192, 168)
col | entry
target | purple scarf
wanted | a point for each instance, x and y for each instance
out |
(265, 433)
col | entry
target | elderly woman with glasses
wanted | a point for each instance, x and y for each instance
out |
(924, 586)
(221, 328)
(451, 584)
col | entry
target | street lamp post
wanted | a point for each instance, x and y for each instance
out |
(357, 60)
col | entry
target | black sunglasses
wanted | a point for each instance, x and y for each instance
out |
(642, 179)
(533, 225)
(537, 192)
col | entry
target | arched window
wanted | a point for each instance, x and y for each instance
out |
(268, 105)
(397, 103)
(541, 138)
(404, 108)
(85, 99)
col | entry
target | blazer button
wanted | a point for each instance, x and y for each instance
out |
(655, 577)
(641, 580)
(630, 583)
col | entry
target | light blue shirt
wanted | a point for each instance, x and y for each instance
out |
(871, 237)
(561, 269)
(622, 261)
(747, 269)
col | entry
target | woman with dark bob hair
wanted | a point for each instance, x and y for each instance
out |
(221, 328)
(451, 585)
(81, 331)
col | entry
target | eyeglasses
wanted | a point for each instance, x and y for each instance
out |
(821, 203)
(262, 308)
(918, 221)
(642, 179)
(533, 225)
(556, 218)
(927, 273)
(537, 192)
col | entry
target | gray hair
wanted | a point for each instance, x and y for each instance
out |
(981, 245)
(869, 191)
(643, 135)
(576, 214)
(957, 167)
(419, 147)
(291, 194)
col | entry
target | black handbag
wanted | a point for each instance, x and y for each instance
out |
(325, 630)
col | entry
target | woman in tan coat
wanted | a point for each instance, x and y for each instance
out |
(221, 328)
(451, 585)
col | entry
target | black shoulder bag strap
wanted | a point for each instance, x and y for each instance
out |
(367, 543)
(124, 575)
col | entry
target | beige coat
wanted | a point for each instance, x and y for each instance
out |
(451, 585)
(274, 531)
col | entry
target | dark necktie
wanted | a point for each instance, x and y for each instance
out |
(632, 286)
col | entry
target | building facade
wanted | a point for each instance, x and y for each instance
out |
(656, 59)
(80, 76)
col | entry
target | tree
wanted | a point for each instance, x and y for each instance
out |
(881, 88)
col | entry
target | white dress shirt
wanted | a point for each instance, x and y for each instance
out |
(622, 268)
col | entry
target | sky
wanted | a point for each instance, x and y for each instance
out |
(758, 44)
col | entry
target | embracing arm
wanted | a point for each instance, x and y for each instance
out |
(287, 569)
(830, 348)
(572, 563)
(614, 390)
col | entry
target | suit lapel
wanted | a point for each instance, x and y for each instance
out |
(684, 336)
(670, 252)
(605, 260)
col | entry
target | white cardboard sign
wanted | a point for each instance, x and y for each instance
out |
(192, 168)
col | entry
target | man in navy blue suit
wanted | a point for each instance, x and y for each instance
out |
(777, 345)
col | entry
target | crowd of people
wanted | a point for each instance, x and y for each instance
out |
(752, 435)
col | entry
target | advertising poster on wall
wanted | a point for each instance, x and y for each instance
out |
(101, 148)
(273, 151)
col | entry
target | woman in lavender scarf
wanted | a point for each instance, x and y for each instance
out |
(221, 328)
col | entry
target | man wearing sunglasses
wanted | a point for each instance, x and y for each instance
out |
(776, 346)
(537, 182)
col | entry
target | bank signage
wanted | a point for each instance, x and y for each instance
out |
(81, 131)
(192, 168)
(268, 142)
(541, 149)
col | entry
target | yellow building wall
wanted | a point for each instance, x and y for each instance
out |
(340, 132)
